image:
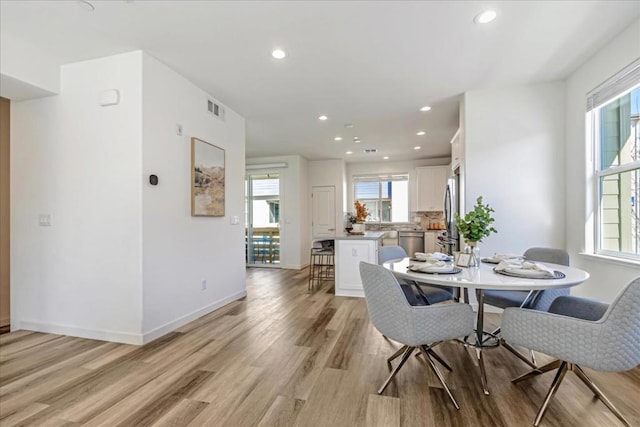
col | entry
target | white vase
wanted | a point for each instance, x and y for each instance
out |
(358, 227)
(473, 249)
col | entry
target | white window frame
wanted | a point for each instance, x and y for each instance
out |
(404, 176)
(619, 85)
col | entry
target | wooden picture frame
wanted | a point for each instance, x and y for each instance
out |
(463, 260)
(207, 179)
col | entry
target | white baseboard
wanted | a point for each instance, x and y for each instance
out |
(349, 293)
(124, 337)
(294, 266)
(74, 331)
(181, 321)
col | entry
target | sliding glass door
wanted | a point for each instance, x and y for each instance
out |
(262, 219)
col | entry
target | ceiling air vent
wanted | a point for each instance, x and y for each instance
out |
(215, 109)
(370, 150)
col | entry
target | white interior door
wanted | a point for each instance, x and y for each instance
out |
(323, 206)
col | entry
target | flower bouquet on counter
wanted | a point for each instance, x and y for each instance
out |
(361, 214)
(361, 211)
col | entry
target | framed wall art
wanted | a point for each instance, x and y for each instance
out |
(207, 179)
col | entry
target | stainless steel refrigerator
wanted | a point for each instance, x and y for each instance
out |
(449, 240)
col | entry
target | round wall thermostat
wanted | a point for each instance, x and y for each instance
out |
(153, 179)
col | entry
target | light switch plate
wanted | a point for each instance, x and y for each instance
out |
(44, 220)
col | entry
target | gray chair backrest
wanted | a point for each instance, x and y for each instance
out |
(387, 253)
(554, 256)
(619, 346)
(392, 315)
(388, 308)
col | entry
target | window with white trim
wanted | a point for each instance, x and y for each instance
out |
(614, 119)
(386, 197)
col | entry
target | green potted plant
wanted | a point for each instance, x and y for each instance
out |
(475, 226)
(351, 219)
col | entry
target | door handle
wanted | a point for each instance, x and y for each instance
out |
(331, 229)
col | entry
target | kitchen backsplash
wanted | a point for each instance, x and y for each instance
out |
(416, 224)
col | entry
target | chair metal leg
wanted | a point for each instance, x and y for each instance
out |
(405, 356)
(562, 371)
(599, 394)
(396, 354)
(436, 371)
(483, 372)
(438, 358)
(519, 355)
(435, 355)
(541, 370)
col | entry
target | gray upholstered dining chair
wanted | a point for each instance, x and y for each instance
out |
(579, 333)
(542, 299)
(419, 328)
(504, 299)
(421, 294)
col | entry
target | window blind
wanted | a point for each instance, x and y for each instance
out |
(379, 178)
(623, 81)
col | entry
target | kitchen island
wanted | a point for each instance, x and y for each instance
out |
(350, 250)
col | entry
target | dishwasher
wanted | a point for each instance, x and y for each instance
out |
(411, 241)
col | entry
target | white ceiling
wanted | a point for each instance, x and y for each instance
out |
(372, 64)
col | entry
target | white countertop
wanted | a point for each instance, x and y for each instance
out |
(368, 235)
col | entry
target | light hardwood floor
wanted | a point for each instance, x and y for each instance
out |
(279, 357)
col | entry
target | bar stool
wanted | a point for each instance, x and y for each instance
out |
(321, 262)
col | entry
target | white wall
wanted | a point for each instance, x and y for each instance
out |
(180, 251)
(514, 158)
(330, 173)
(294, 217)
(380, 168)
(123, 260)
(81, 163)
(305, 212)
(607, 277)
(26, 71)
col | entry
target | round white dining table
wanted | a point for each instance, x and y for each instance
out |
(483, 278)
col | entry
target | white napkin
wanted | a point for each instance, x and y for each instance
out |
(525, 268)
(433, 267)
(432, 257)
(497, 257)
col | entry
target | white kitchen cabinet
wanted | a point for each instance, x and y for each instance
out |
(430, 186)
(349, 252)
(430, 241)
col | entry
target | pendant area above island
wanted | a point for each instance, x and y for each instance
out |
(350, 250)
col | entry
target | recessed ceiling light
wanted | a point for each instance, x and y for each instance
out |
(349, 126)
(485, 17)
(417, 147)
(357, 141)
(425, 108)
(349, 152)
(386, 157)
(278, 53)
(337, 138)
(420, 133)
(86, 5)
(323, 118)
